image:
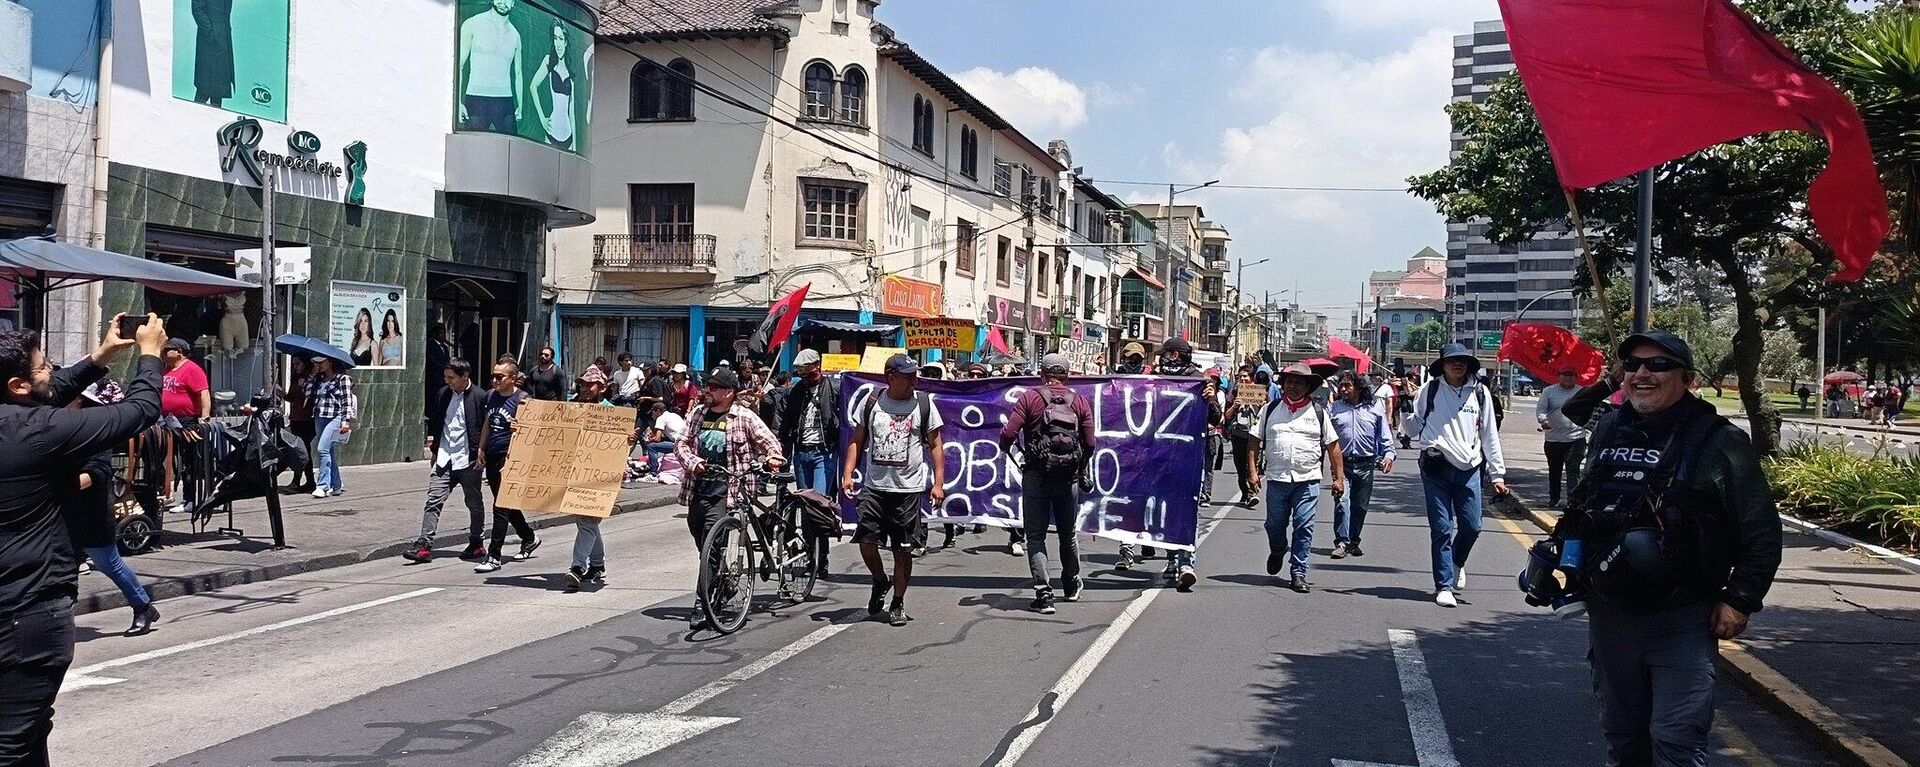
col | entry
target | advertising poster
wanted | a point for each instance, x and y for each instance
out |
(232, 54)
(524, 68)
(369, 321)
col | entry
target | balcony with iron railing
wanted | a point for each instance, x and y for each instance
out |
(630, 253)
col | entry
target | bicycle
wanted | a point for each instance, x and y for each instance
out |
(762, 539)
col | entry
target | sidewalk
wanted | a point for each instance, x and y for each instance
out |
(1835, 645)
(376, 517)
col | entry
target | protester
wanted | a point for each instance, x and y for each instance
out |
(1454, 422)
(300, 422)
(1176, 359)
(1055, 426)
(809, 429)
(496, 439)
(1216, 413)
(626, 381)
(40, 446)
(722, 448)
(334, 410)
(1680, 541)
(683, 392)
(1133, 359)
(453, 443)
(897, 431)
(89, 517)
(589, 563)
(1366, 443)
(1566, 440)
(1241, 421)
(546, 380)
(185, 399)
(1297, 433)
(1806, 398)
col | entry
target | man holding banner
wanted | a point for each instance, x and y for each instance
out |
(1056, 425)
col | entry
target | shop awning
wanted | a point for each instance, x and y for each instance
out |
(851, 328)
(1146, 277)
(45, 264)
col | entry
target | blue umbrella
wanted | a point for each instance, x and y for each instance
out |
(302, 346)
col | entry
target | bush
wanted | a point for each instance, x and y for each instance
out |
(1830, 484)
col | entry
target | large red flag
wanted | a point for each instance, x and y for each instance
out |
(1624, 85)
(1545, 350)
(1337, 347)
(773, 330)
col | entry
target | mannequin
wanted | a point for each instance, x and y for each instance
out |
(233, 325)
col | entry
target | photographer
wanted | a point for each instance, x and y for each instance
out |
(41, 450)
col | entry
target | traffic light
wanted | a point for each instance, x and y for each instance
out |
(1386, 337)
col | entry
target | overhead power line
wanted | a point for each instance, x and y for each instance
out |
(1267, 187)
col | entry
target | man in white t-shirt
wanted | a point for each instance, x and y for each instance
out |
(667, 426)
(899, 432)
(1298, 435)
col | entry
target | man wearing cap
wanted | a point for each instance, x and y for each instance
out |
(1566, 440)
(185, 397)
(1133, 360)
(1453, 418)
(589, 563)
(898, 430)
(1058, 447)
(1298, 434)
(1677, 506)
(722, 448)
(1176, 359)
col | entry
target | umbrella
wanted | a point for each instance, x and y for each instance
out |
(1001, 358)
(1841, 377)
(1338, 347)
(302, 346)
(44, 264)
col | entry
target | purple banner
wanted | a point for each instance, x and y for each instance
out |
(1149, 444)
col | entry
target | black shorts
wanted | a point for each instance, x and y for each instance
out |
(892, 519)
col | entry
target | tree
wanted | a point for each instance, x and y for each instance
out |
(1720, 209)
(1782, 360)
(1427, 336)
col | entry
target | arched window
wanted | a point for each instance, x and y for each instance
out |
(679, 89)
(969, 152)
(661, 93)
(853, 96)
(922, 124)
(644, 99)
(820, 84)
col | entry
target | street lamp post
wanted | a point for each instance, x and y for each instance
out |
(1239, 283)
(1171, 304)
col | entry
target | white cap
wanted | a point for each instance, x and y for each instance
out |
(680, 367)
(806, 357)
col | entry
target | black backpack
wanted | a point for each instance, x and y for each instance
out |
(1053, 442)
(922, 404)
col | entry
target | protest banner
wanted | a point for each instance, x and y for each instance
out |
(566, 457)
(834, 363)
(1251, 396)
(874, 359)
(1149, 445)
(940, 333)
(1081, 355)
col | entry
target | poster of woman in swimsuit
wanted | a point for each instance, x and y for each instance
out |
(524, 68)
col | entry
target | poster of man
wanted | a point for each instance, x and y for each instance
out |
(525, 69)
(232, 54)
(369, 321)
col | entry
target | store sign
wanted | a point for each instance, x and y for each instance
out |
(1154, 330)
(291, 266)
(240, 146)
(1042, 318)
(1009, 313)
(303, 142)
(940, 333)
(904, 297)
(835, 363)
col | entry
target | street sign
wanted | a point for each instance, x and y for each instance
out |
(1489, 340)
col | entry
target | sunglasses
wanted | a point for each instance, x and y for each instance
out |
(499, 376)
(1652, 364)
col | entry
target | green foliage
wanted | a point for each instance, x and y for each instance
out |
(1831, 484)
(1781, 357)
(1427, 336)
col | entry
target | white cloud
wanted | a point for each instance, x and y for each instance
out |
(1458, 15)
(1036, 100)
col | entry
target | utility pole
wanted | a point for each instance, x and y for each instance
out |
(1026, 309)
(270, 370)
(1643, 258)
(1820, 366)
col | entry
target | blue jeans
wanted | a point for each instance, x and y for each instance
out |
(656, 451)
(1453, 518)
(589, 549)
(1350, 509)
(328, 430)
(813, 470)
(107, 560)
(1290, 508)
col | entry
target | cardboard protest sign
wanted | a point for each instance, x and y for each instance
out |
(874, 360)
(567, 457)
(1250, 396)
(834, 363)
(940, 333)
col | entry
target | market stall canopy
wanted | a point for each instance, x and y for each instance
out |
(1842, 377)
(834, 326)
(43, 264)
(308, 348)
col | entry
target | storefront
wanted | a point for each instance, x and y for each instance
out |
(1027, 329)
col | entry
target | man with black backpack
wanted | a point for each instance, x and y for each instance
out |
(1056, 426)
(899, 431)
(1678, 541)
(1459, 437)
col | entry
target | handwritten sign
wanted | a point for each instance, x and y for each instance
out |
(834, 363)
(1250, 395)
(940, 333)
(874, 360)
(1082, 356)
(567, 457)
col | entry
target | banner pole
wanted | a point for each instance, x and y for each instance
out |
(1643, 257)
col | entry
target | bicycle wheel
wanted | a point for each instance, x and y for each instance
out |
(726, 574)
(797, 557)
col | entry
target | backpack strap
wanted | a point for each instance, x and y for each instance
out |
(924, 404)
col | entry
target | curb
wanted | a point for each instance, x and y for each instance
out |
(110, 597)
(1880, 553)
(1841, 738)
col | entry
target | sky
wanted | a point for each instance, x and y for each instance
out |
(1259, 92)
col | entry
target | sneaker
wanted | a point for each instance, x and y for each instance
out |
(1126, 560)
(1042, 602)
(1274, 562)
(474, 550)
(1354, 550)
(697, 619)
(1019, 549)
(1170, 570)
(877, 604)
(1460, 579)
(1299, 584)
(1250, 501)
(418, 552)
(336, 491)
(574, 576)
(1185, 580)
(1445, 599)
(321, 492)
(1073, 588)
(918, 552)
(488, 566)
(526, 549)
(898, 615)
(595, 574)
(1339, 551)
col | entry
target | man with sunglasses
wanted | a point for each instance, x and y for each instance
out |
(1679, 540)
(722, 448)
(496, 437)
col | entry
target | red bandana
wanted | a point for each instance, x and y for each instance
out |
(1293, 406)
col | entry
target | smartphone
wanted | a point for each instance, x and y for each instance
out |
(131, 324)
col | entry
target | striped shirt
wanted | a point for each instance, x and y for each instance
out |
(749, 443)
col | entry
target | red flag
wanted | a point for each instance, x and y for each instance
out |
(1340, 348)
(773, 330)
(1624, 85)
(995, 341)
(1545, 350)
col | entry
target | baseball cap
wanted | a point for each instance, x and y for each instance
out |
(724, 378)
(806, 357)
(592, 375)
(901, 363)
(1055, 363)
(680, 367)
(178, 344)
(1668, 342)
(1133, 349)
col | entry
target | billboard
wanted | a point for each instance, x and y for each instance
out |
(524, 68)
(370, 322)
(232, 54)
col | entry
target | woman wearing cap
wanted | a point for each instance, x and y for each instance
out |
(589, 563)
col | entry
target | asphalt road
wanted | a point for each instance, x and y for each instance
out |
(388, 664)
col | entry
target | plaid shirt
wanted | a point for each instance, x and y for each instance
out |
(749, 443)
(331, 398)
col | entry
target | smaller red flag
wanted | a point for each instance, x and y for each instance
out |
(773, 330)
(1544, 350)
(995, 341)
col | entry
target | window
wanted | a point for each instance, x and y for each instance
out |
(963, 247)
(969, 152)
(1003, 177)
(1046, 196)
(853, 96)
(831, 211)
(819, 86)
(1040, 277)
(660, 212)
(1088, 295)
(1003, 262)
(659, 93)
(1396, 318)
(922, 125)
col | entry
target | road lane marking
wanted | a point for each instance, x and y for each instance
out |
(1023, 735)
(598, 739)
(1431, 745)
(84, 676)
